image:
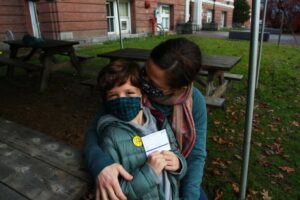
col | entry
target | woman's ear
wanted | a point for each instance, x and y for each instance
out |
(143, 99)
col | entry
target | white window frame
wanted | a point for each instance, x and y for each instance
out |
(209, 16)
(163, 15)
(116, 20)
(110, 17)
(223, 19)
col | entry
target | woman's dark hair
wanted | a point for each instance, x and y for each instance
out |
(181, 58)
(117, 73)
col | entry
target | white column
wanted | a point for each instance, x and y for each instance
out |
(198, 13)
(187, 10)
(34, 19)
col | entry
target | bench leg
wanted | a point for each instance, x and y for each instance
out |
(75, 61)
(46, 60)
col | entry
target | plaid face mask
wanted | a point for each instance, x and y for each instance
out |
(148, 88)
(124, 108)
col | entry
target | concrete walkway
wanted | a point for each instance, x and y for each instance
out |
(285, 38)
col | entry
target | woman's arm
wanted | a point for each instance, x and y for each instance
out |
(104, 170)
(190, 184)
(95, 158)
(144, 177)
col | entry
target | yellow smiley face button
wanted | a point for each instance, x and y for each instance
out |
(137, 141)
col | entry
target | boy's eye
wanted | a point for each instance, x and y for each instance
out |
(111, 96)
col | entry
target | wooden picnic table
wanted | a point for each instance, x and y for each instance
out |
(47, 50)
(214, 67)
(34, 166)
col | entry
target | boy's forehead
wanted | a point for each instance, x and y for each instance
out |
(123, 87)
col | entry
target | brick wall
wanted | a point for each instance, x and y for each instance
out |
(14, 16)
(73, 19)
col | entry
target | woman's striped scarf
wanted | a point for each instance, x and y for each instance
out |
(182, 121)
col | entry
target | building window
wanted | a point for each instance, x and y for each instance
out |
(110, 16)
(209, 16)
(163, 16)
(223, 19)
(124, 16)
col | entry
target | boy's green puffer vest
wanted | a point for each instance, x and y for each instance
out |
(117, 140)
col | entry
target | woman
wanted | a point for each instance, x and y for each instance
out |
(167, 81)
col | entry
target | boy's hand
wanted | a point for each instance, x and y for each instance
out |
(157, 162)
(173, 163)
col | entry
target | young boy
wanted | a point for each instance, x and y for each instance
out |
(121, 130)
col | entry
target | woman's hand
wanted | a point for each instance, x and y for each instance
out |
(173, 163)
(157, 162)
(108, 185)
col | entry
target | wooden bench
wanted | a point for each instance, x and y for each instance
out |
(227, 76)
(36, 166)
(80, 57)
(214, 102)
(83, 58)
(29, 67)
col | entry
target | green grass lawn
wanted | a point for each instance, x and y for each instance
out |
(274, 163)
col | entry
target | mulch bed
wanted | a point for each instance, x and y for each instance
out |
(63, 111)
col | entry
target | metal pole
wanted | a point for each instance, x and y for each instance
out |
(250, 94)
(261, 42)
(214, 7)
(120, 31)
(281, 27)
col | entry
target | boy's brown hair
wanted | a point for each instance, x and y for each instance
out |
(117, 73)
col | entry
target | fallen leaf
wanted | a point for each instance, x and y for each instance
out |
(295, 123)
(235, 187)
(286, 156)
(287, 169)
(222, 141)
(217, 172)
(252, 192)
(216, 122)
(219, 194)
(238, 157)
(265, 195)
(263, 161)
(278, 140)
(257, 144)
(287, 189)
(249, 197)
(278, 176)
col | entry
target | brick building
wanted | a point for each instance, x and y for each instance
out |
(274, 14)
(86, 20)
(90, 21)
